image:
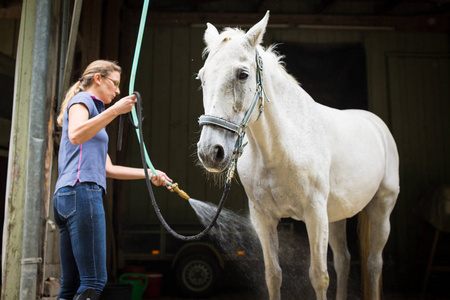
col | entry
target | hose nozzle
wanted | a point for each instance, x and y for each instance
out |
(181, 193)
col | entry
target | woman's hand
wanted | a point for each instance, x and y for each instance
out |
(160, 179)
(125, 104)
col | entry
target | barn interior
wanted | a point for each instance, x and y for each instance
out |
(389, 57)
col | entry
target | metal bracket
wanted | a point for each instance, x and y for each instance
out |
(30, 261)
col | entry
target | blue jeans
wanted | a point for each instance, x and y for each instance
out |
(80, 216)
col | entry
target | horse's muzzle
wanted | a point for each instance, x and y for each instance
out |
(212, 158)
(214, 154)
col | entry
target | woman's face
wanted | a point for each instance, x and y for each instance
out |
(109, 87)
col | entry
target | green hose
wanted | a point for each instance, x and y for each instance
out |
(137, 52)
(137, 122)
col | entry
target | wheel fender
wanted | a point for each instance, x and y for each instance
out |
(198, 248)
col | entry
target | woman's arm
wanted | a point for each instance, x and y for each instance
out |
(120, 172)
(82, 129)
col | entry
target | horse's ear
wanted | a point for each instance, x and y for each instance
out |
(255, 34)
(211, 34)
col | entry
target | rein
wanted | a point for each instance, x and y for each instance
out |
(240, 129)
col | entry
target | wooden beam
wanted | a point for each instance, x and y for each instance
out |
(111, 26)
(323, 5)
(16, 185)
(91, 26)
(431, 23)
(434, 23)
(7, 65)
(12, 12)
(69, 62)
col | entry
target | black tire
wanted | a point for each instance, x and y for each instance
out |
(197, 275)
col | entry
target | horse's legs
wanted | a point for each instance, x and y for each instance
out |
(266, 228)
(378, 211)
(341, 256)
(316, 221)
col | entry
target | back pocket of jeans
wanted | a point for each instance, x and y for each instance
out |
(67, 203)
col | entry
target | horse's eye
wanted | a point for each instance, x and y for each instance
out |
(243, 75)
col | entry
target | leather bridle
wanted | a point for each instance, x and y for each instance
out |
(240, 129)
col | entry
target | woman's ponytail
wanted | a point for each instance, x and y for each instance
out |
(104, 67)
(73, 90)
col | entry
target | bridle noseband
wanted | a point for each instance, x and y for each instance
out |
(240, 129)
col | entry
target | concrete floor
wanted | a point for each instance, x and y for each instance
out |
(436, 290)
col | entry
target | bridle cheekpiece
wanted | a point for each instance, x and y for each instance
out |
(240, 129)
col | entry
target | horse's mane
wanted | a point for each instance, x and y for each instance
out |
(276, 60)
(272, 59)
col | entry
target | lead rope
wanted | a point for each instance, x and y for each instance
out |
(146, 163)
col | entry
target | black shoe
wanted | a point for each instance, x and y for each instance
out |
(89, 294)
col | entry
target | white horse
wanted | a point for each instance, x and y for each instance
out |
(303, 160)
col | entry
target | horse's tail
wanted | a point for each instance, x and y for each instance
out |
(364, 249)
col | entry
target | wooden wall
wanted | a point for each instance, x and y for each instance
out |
(408, 76)
(10, 32)
(8, 48)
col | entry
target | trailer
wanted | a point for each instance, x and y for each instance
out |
(197, 267)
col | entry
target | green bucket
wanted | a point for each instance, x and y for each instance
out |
(138, 281)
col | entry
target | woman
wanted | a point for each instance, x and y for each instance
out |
(84, 165)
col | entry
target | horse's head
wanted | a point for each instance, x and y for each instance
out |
(229, 83)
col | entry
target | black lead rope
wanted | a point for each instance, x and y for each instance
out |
(120, 129)
(150, 190)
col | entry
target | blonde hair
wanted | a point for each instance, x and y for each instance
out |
(104, 67)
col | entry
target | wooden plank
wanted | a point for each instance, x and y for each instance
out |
(13, 11)
(308, 36)
(443, 75)
(109, 49)
(348, 36)
(379, 95)
(140, 210)
(14, 207)
(195, 180)
(179, 145)
(376, 81)
(400, 218)
(327, 36)
(429, 120)
(273, 36)
(91, 24)
(289, 35)
(160, 112)
(419, 127)
(4, 138)
(363, 22)
(121, 192)
(7, 65)
(9, 37)
(110, 29)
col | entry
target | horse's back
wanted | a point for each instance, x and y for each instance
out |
(363, 158)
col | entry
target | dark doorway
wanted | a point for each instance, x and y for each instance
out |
(334, 75)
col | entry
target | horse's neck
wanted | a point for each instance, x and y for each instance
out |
(290, 108)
